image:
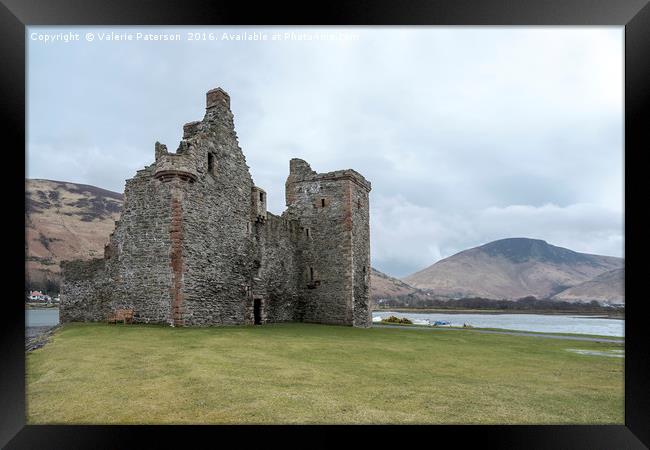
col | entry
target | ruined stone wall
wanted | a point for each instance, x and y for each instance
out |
(88, 291)
(134, 272)
(139, 250)
(195, 245)
(217, 250)
(276, 280)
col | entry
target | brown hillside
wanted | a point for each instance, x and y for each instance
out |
(608, 287)
(384, 286)
(65, 221)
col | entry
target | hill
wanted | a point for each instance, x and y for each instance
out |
(384, 286)
(65, 221)
(510, 269)
(608, 287)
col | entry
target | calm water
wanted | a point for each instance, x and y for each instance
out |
(41, 317)
(523, 322)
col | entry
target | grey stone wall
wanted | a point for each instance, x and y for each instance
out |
(323, 203)
(87, 295)
(195, 245)
(275, 282)
(360, 207)
(216, 213)
(138, 253)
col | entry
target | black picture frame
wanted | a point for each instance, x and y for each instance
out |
(15, 15)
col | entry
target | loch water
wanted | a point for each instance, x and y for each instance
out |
(545, 323)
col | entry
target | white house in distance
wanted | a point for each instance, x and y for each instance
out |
(38, 296)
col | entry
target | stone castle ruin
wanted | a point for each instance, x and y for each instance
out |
(195, 245)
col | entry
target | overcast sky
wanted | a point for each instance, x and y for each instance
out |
(468, 134)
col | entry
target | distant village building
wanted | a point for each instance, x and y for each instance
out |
(196, 246)
(38, 296)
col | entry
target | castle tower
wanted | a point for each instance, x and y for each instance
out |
(215, 249)
(333, 210)
(181, 252)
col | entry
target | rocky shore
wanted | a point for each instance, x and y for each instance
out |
(36, 337)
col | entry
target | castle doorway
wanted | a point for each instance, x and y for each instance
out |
(257, 310)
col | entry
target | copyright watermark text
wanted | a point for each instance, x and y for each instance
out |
(190, 36)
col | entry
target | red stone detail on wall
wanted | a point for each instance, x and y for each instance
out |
(176, 261)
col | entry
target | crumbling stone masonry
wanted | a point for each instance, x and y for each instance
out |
(195, 246)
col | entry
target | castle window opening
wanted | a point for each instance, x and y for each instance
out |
(257, 311)
(307, 231)
(261, 196)
(322, 202)
(210, 163)
(311, 274)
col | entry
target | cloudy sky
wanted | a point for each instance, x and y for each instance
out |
(468, 134)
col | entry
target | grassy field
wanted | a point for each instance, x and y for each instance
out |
(302, 373)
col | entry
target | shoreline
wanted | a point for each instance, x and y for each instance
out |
(37, 337)
(506, 331)
(579, 336)
(603, 314)
(40, 306)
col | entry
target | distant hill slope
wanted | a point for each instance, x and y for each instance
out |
(65, 221)
(510, 269)
(608, 287)
(385, 286)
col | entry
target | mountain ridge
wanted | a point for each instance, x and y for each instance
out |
(511, 268)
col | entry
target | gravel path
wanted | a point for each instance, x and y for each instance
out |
(512, 333)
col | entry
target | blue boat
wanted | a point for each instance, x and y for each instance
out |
(441, 322)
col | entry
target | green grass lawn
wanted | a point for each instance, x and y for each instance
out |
(501, 330)
(303, 373)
